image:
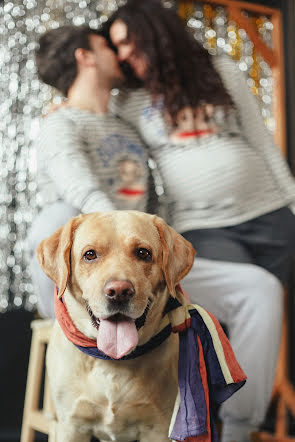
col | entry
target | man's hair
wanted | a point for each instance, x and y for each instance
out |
(55, 56)
(179, 68)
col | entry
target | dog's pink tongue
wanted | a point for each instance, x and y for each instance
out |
(116, 339)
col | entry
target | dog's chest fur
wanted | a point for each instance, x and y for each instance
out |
(116, 398)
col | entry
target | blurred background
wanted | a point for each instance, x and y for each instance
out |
(259, 35)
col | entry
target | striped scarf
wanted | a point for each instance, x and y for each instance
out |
(207, 368)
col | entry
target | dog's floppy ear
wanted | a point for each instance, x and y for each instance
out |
(53, 253)
(178, 254)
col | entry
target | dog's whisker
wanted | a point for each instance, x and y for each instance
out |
(141, 320)
(94, 320)
(149, 304)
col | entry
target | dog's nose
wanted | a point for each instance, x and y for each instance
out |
(119, 290)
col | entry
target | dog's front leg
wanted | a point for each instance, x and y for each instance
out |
(70, 431)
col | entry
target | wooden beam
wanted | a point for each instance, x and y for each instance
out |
(260, 9)
(39, 422)
(288, 393)
(281, 421)
(243, 22)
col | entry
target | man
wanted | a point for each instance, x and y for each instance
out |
(81, 147)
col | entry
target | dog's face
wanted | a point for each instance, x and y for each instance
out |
(118, 265)
(115, 264)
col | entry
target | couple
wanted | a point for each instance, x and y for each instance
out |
(229, 191)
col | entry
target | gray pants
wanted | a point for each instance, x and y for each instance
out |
(47, 222)
(248, 300)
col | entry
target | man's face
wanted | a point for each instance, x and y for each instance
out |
(106, 60)
(126, 48)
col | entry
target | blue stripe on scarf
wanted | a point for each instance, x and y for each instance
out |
(192, 413)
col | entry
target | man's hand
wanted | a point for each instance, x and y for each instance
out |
(53, 107)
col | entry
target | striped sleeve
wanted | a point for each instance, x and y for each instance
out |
(62, 153)
(127, 104)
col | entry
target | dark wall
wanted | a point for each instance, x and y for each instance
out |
(269, 3)
(14, 349)
(289, 39)
(288, 9)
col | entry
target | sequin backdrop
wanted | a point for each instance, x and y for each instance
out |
(24, 98)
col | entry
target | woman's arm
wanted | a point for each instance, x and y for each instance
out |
(252, 124)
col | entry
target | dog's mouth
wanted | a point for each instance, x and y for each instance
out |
(139, 322)
(117, 335)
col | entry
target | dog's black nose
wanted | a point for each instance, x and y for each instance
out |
(119, 290)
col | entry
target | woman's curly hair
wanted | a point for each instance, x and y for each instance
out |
(179, 68)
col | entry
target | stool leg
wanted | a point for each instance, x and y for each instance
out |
(28, 434)
(281, 423)
(48, 406)
(33, 385)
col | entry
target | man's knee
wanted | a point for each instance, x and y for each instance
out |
(262, 289)
(47, 222)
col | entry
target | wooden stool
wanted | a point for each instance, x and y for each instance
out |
(44, 420)
(35, 419)
(283, 392)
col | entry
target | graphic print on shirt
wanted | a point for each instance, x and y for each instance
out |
(191, 123)
(127, 162)
(130, 173)
(194, 123)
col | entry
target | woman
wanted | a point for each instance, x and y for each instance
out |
(229, 189)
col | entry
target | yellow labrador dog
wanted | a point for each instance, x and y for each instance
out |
(115, 272)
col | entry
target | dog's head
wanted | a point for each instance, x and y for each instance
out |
(120, 265)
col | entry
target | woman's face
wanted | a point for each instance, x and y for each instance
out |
(126, 48)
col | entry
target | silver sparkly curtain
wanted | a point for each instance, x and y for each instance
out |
(23, 99)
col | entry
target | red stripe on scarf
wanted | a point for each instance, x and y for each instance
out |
(236, 371)
(182, 327)
(68, 327)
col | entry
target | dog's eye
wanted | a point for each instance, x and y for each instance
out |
(144, 254)
(90, 255)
